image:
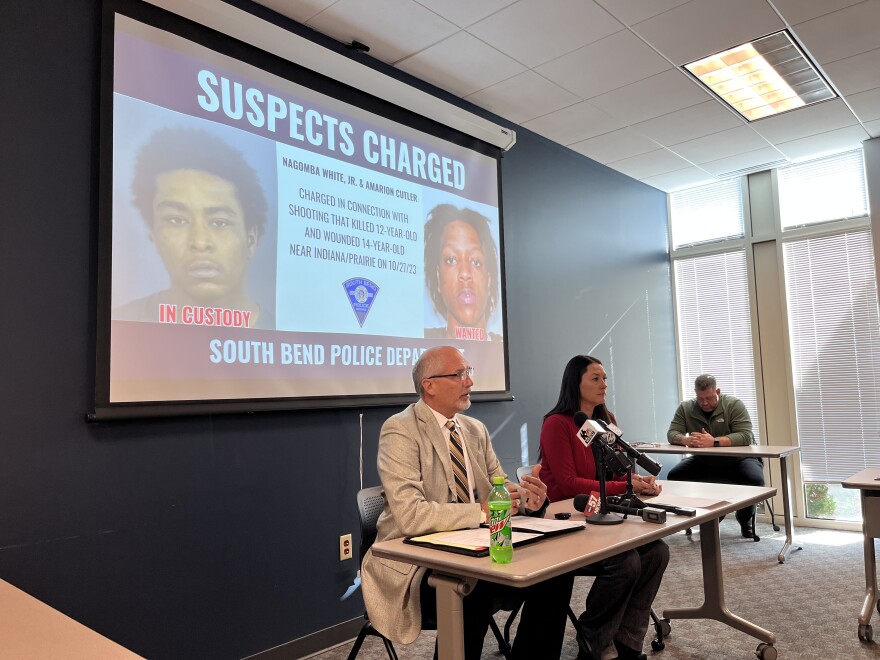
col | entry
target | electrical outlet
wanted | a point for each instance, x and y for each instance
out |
(345, 547)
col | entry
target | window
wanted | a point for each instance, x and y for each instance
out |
(825, 189)
(707, 213)
(835, 348)
(714, 325)
(833, 334)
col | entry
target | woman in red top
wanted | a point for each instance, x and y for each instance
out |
(567, 467)
(619, 603)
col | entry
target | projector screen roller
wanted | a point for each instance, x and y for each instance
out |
(272, 243)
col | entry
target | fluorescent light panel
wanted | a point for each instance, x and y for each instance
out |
(763, 77)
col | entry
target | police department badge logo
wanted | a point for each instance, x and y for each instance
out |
(361, 294)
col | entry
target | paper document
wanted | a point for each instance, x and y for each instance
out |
(679, 500)
(544, 525)
(470, 539)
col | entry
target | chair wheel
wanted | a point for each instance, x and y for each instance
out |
(866, 632)
(766, 652)
(688, 531)
(657, 645)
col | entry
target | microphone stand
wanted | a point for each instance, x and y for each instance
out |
(625, 504)
(604, 517)
(629, 499)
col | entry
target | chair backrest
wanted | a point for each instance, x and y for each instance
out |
(370, 503)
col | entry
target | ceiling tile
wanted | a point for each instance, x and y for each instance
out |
(464, 12)
(843, 33)
(703, 27)
(581, 49)
(730, 164)
(805, 121)
(574, 123)
(615, 146)
(523, 97)
(873, 127)
(652, 97)
(831, 142)
(720, 145)
(649, 164)
(393, 29)
(680, 179)
(855, 74)
(607, 64)
(866, 105)
(798, 11)
(631, 12)
(689, 123)
(461, 64)
(535, 31)
(300, 11)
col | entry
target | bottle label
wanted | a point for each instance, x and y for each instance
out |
(497, 524)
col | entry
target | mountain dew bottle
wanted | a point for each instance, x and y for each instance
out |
(500, 546)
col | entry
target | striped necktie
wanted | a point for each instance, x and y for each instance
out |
(458, 469)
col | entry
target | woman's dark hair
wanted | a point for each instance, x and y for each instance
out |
(438, 219)
(569, 401)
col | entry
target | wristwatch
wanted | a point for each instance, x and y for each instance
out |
(715, 442)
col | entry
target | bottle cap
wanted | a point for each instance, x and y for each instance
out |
(498, 481)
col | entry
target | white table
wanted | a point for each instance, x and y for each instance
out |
(868, 483)
(781, 452)
(455, 575)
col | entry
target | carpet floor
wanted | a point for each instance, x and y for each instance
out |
(811, 602)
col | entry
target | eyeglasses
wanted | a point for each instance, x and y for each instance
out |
(461, 375)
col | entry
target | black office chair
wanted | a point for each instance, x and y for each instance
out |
(370, 503)
(769, 504)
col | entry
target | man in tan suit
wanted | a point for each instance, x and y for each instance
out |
(421, 497)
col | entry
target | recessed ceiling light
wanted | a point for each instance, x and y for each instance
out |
(763, 77)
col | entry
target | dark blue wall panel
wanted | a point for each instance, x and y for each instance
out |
(217, 536)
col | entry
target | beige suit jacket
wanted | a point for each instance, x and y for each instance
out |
(416, 474)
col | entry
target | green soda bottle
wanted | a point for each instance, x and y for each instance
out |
(500, 545)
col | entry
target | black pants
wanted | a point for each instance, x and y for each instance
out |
(618, 606)
(711, 469)
(542, 624)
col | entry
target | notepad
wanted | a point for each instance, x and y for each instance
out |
(475, 542)
(545, 526)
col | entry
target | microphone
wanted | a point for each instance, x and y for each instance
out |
(591, 430)
(643, 460)
(646, 513)
(588, 428)
(635, 503)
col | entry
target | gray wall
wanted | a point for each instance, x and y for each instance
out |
(217, 536)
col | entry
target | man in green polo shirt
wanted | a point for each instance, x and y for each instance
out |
(713, 419)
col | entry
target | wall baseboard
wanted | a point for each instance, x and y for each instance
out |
(317, 642)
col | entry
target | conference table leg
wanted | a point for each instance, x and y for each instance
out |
(786, 511)
(870, 567)
(713, 606)
(451, 590)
